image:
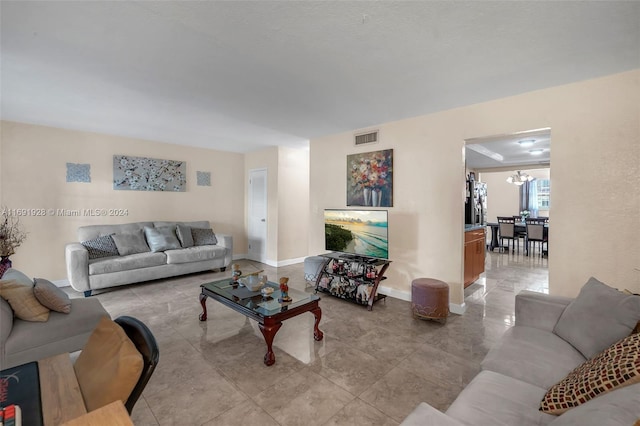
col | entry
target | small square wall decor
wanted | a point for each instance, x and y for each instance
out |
(78, 172)
(203, 178)
(148, 174)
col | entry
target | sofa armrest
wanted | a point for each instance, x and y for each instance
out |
(6, 325)
(227, 242)
(424, 415)
(539, 310)
(77, 259)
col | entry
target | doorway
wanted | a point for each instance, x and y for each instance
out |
(493, 160)
(257, 215)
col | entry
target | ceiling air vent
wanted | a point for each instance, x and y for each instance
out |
(366, 138)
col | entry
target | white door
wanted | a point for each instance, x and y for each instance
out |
(257, 215)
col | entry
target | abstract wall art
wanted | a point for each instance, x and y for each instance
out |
(370, 179)
(148, 174)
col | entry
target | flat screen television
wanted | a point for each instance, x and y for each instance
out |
(357, 232)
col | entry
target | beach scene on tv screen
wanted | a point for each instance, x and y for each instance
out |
(360, 232)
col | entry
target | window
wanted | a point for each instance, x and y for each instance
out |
(543, 187)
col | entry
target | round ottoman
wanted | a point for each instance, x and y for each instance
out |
(312, 265)
(430, 299)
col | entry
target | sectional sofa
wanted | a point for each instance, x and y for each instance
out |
(560, 351)
(114, 255)
(25, 341)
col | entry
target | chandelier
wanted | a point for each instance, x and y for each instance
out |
(519, 178)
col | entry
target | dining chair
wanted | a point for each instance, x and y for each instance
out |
(536, 234)
(506, 230)
(116, 363)
(146, 344)
(519, 232)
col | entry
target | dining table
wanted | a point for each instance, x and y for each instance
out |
(519, 228)
(49, 394)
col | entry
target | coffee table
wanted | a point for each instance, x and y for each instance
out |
(268, 312)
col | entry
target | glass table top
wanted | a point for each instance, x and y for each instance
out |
(255, 301)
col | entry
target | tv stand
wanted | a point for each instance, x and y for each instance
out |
(346, 256)
(352, 277)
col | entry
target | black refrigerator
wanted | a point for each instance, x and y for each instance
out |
(475, 207)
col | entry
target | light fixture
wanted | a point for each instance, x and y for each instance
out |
(519, 178)
(536, 151)
(527, 142)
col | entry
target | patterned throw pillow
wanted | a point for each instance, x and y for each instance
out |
(615, 367)
(203, 237)
(101, 247)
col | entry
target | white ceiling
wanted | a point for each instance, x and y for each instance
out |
(238, 76)
(510, 151)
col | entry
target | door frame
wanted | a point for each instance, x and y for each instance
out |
(262, 257)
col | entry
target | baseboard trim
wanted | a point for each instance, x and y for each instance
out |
(275, 264)
(291, 261)
(454, 308)
(62, 283)
(458, 309)
(397, 294)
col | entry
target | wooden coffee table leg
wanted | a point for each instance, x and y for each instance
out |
(203, 302)
(317, 333)
(269, 332)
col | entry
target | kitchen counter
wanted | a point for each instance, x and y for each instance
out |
(469, 227)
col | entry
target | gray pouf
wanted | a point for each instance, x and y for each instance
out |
(312, 266)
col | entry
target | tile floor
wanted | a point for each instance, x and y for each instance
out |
(372, 368)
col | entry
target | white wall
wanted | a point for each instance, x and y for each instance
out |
(293, 202)
(33, 175)
(288, 201)
(596, 151)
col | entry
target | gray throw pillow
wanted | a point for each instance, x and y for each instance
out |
(203, 237)
(161, 239)
(101, 247)
(49, 295)
(131, 243)
(184, 235)
(597, 318)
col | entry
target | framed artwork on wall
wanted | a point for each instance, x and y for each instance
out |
(148, 174)
(370, 179)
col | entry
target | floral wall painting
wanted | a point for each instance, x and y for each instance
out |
(370, 179)
(78, 172)
(148, 174)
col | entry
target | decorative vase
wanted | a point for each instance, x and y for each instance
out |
(5, 264)
(367, 196)
(376, 197)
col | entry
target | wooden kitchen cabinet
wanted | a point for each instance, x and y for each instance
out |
(474, 252)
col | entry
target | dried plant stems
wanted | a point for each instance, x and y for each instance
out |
(11, 233)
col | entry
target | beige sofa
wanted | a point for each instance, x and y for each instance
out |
(87, 274)
(25, 341)
(532, 356)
